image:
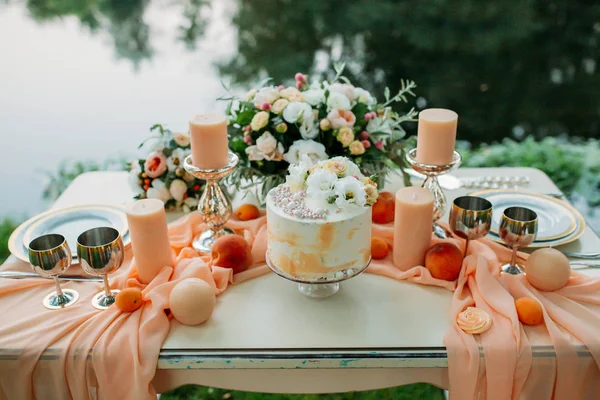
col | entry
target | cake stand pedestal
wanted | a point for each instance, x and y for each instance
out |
(318, 288)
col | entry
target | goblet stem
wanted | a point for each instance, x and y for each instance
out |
(466, 246)
(513, 259)
(107, 291)
(59, 291)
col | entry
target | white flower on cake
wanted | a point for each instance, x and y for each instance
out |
(298, 173)
(266, 148)
(175, 160)
(181, 138)
(265, 95)
(298, 112)
(178, 189)
(338, 101)
(314, 150)
(159, 191)
(349, 191)
(320, 183)
(347, 90)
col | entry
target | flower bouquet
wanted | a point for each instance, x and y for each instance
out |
(274, 126)
(161, 175)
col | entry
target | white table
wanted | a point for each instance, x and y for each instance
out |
(265, 336)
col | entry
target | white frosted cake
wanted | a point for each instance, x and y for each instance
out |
(319, 221)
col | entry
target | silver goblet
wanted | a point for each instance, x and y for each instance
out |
(50, 256)
(100, 252)
(518, 228)
(470, 218)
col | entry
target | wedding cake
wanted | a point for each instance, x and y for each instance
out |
(319, 221)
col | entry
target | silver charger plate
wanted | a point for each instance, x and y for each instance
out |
(558, 221)
(69, 222)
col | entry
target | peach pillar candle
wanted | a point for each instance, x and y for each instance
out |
(412, 226)
(149, 237)
(208, 138)
(436, 136)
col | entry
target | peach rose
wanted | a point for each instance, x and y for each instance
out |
(340, 118)
(345, 136)
(259, 120)
(357, 148)
(155, 165)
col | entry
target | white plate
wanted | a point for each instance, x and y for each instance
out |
(558, 221)
(69, 222)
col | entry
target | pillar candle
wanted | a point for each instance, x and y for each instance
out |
(412, 226)
(208, 138)
(149, 237)
(436, 136)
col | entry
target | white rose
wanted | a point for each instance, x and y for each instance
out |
(159, 191)
(265, 95)
(314, 150)
(177, 189)
(297, 112)
(351, 168)
(320, 183)
(363, 96)
(266, 143)
(337, 101)
(343, 88)
(182, 139)
(379, 125)
(292, 94)
(176, 158)
(350, 191)
(314, 97)
(309, 130)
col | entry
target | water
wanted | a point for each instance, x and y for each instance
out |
(85, 80)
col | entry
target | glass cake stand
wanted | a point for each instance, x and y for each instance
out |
(318, 288)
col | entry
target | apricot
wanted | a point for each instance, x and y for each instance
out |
(379, 248)
(529, 311)
(384, 208)
(129, 299)
(246, 212)
(231, 251)
(444, 261)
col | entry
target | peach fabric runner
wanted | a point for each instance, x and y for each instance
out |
(126, 346)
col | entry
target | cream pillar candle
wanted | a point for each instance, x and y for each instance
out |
(436, 136)
(412, 226)
(149, 237)
(208, 138)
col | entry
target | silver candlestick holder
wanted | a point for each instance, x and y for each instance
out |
(431, 182)
(214, 205)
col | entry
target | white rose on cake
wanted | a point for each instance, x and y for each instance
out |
(314, 150)
(297, 173)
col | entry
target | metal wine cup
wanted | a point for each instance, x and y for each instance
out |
(470, 218)
(518, 228)
(50, 256)
(100, 252)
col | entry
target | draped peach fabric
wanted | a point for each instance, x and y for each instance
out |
(498, 364)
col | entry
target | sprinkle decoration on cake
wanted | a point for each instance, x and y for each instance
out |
(319, 220)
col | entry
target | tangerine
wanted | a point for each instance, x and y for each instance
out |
(246, 212)
(529, 311)
(379, 248)
(129, 299)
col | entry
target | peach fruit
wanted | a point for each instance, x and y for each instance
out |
(384, 208)
(129, 299)
(231, 251)
(444, 261)
(379, 248)
(246, 212)
(529, 311)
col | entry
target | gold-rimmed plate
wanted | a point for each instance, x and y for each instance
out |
(558, 221)
(69, 222)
